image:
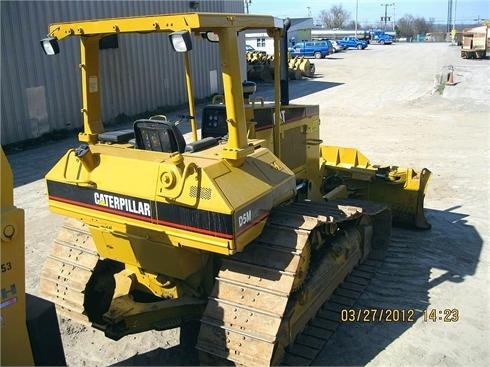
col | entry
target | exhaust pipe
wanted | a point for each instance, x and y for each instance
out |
(284, 64)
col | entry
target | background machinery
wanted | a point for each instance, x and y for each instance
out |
(475, 42)
(249, 229)
(29, 326)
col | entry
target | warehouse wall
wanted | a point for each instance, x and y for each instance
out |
(40, 94)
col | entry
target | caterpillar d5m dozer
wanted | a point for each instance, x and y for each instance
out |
(235, 231)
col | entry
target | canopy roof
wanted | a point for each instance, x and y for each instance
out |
(193, 22)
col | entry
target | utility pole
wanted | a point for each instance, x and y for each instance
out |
(385, 18)
(449, 15)
(479, 20)
(394, 7)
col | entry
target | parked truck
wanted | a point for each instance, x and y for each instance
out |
(475, 43)
(352, 42)
(381, 37)
(317, 49)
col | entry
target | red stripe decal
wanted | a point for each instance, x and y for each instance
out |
(143, 218)
(265, 127)
(194, 229)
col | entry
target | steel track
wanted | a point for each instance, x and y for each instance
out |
(256, 322)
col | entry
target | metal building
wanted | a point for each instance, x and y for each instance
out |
(300, 30)
(40, 94)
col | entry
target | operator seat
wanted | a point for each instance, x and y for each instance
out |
(159, 136)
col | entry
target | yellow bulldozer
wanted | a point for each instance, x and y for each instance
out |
(248, 230)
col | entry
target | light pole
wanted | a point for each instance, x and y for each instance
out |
(357, 11)
(247, 2)
(385, 18)
(455, 9)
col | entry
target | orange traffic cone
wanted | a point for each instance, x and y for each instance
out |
(450, 76)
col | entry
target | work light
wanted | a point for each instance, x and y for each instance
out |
(50, 46)
(181, 41)
(212, 37)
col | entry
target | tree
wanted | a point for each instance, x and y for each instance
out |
(405, 26)
(409, 26)
(421, 26)
(334, 18)
(352, 25)
(397, 31)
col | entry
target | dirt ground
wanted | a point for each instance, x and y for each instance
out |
(383, 100)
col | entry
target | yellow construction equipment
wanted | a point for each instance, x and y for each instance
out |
(260, 67)
(30, 334)
(234, 229)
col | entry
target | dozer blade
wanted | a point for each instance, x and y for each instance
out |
(403, 189)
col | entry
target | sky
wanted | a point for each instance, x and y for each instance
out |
(370, 11)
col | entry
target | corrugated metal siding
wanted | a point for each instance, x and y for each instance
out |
(41, 94)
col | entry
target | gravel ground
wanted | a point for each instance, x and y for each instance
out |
(384, 101)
